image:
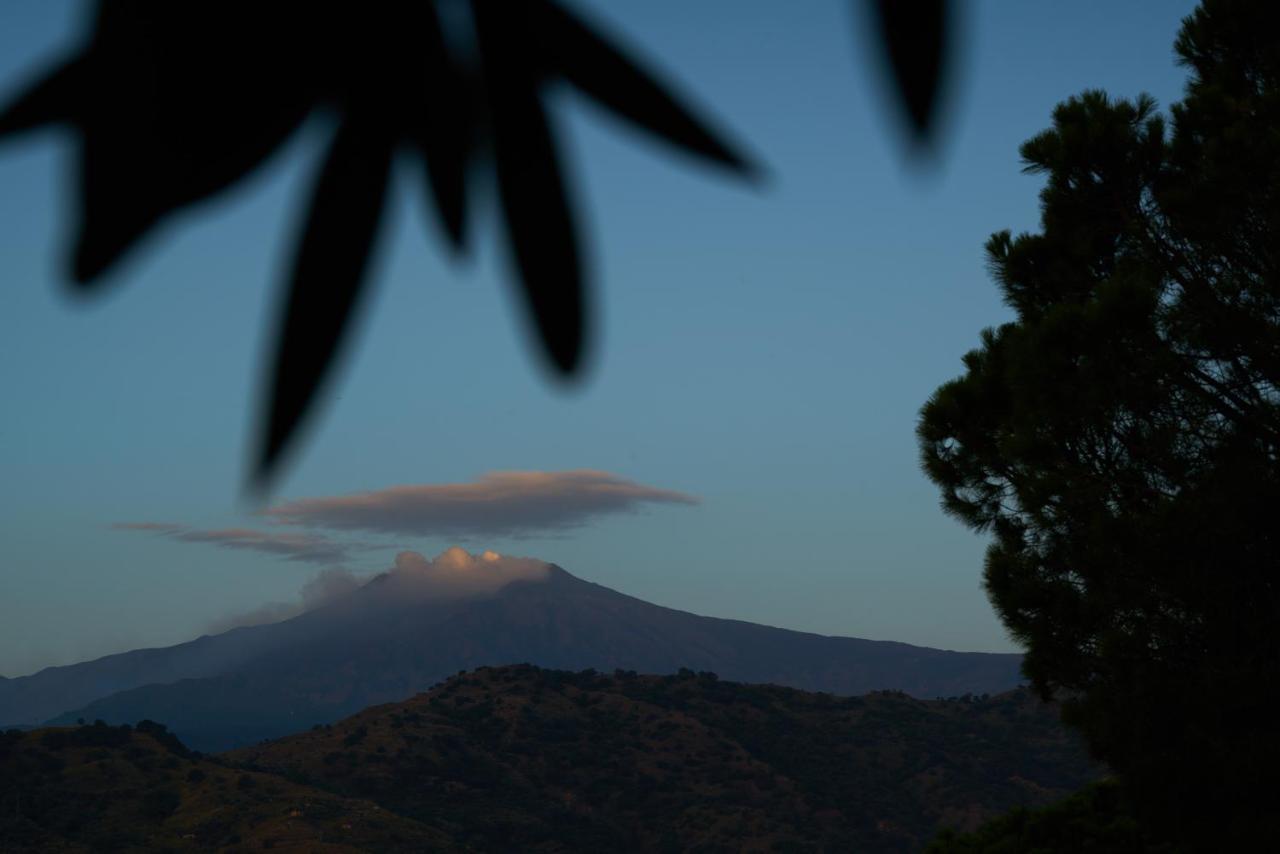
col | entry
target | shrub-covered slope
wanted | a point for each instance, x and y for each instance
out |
(537, 759)
(100, 788)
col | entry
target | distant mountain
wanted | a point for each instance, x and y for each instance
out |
(38, 697)
(525, 759)
(391, 639)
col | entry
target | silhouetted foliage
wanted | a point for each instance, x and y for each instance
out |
(97, 735)
(175, 102)
(1095, 820)
(1121, 438)
(161, 735)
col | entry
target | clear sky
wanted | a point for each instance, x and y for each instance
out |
(765, 350)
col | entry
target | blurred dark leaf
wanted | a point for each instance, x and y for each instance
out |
(174, 102)
(55, 98)
(601, 72)
(328, 274)
(444, 130)
(181, 100)
(538, 219)
(915, 35)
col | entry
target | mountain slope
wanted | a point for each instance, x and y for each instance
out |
(40, 696)
(386, 642)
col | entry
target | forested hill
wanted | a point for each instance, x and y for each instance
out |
(520, 755)
(101, 788)
(521, 758)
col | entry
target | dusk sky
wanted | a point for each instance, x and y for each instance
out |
(742, 444)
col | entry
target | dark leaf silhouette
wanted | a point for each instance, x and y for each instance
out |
(179, 101)
(56, 98)
(328, 272)
(538, 219)
(444, 130)
(615, 81)
(175, 102)
(915, 34)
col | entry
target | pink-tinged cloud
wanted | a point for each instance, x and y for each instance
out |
(453, 574)
(498, 504)
(309, 548)
(456, 572)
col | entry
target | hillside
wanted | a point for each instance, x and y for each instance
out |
(392, 638)
(99, 788)
(520, 758)
(550, 760)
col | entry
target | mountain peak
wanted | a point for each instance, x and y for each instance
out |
(427, 618)
(458, 574)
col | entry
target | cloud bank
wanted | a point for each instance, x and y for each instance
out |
(498, 504)
(309, 548)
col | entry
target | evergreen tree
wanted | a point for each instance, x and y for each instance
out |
(1120, 438)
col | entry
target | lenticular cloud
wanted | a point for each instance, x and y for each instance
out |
(308, 548)
(498, 504)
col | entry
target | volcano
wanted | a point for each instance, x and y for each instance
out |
(418, 624)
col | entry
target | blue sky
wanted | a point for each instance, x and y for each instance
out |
(764, 349)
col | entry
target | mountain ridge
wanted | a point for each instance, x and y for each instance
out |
(389, 640)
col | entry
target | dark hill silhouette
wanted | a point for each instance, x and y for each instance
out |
(389, 640)
(520, 757)
(100, 788)
(525, 759)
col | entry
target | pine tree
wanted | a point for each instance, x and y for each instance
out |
(1121, 438)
